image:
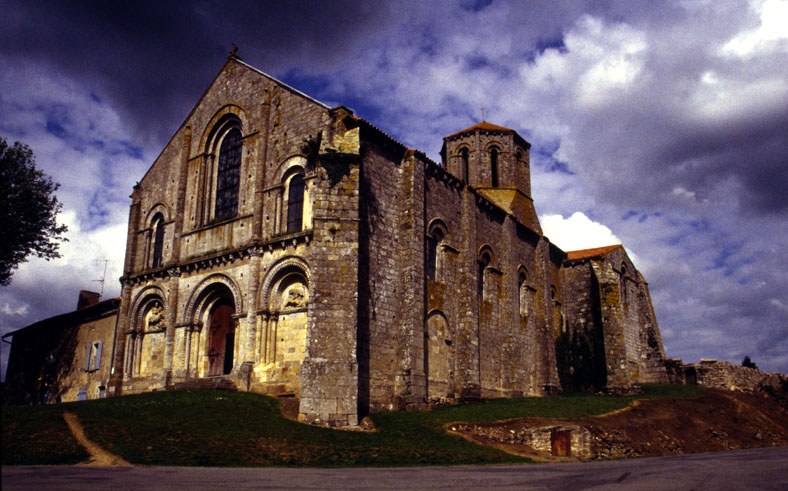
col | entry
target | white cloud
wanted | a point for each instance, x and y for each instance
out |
(577, 232)
(18, 309)
(770, 35)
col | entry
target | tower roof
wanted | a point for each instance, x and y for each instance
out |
(484, 125)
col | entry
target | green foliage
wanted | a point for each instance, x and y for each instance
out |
(337, 164)
(747, 363)
(581, 361)
(223, 428)
(28, 208)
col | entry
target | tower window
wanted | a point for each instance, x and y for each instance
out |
(228, 176)
(494, 166)
(464, 161)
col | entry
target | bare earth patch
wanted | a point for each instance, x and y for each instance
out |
(717, 420)
(98, 456)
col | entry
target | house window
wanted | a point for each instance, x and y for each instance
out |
(82, 395)
(228, 175)
(93, 356)
(295, 204)
(494, 166)
(158, 239)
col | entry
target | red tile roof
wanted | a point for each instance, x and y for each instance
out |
(587, 253)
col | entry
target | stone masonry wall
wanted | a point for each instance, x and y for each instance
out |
(726, 375)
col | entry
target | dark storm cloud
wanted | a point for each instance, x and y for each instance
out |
(153, 59)
(663, 123)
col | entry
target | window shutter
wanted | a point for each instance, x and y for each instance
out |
(87, 357)
(97, 356)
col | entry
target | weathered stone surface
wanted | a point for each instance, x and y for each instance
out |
(394, 309)
(723, 375)
(351, 272)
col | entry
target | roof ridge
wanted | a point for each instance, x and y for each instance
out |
(483, 125)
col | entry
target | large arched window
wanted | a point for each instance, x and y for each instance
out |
(494, 166)
(228, 175)
(158, 239)
(295, 204)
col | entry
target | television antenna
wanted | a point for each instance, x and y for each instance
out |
(103, 275)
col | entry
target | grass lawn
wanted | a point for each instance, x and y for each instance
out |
(221, 428)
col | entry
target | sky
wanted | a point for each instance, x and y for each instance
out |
(660, 125)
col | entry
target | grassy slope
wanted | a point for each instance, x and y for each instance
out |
(219, 428)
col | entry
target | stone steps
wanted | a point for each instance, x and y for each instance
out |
(214, 383)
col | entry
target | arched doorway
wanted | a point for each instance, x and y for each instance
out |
(221, 339)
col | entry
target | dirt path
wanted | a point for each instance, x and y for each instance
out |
(98, 456)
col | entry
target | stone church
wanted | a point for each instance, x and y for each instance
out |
(294, 249)
(284, 247)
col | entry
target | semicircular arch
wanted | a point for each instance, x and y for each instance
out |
(287, 166)
(230, 115)
(208, 289)
(278, 271)
(141, 301)
(159, 207)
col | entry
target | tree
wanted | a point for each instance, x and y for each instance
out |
(28, 208)
(746, 362)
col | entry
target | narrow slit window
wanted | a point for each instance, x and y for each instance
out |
(433, 242)
(158, 240)
(484, 261)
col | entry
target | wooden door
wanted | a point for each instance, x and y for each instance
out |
(222, 337)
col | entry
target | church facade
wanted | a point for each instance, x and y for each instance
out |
(294, 249)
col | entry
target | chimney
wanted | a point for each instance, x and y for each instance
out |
(86, 299)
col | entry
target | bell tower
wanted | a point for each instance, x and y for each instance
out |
(495, 162)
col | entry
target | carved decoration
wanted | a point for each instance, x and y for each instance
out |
(295, 296)
(154, 319)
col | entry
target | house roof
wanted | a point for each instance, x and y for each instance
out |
(95, 311)
(589, 253)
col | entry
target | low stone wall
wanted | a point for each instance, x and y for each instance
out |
(722, 375)
(539, 438)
